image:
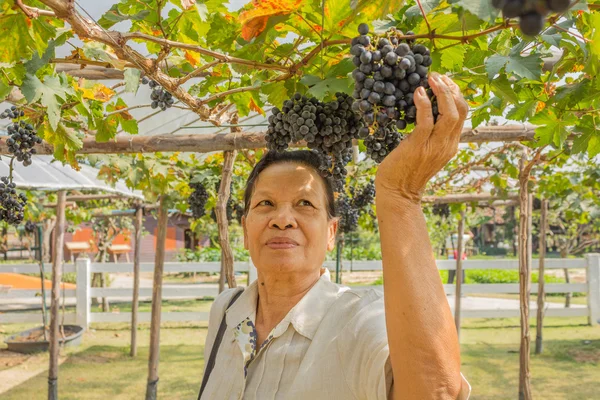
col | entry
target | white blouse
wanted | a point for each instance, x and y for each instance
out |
(331, 345)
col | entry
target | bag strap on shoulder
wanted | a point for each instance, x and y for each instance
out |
(215, 349)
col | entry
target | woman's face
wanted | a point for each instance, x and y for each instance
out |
(287, 228)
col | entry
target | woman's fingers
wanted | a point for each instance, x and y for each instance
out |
(445, 100)
(425, 122)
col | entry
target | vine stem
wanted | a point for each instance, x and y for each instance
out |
(137, 106)
(424, 15)
(10, 169)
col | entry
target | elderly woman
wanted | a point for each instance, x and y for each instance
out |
(295, 335)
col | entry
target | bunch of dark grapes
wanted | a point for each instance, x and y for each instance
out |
(326, 127)
(234, 209)
(30, 227)
(365, 197)
(197, 200)
(350, 208)
(388, 71)
(23, 136)
(347, 212)
(159, 96)
(441, 210)
(531, 13)
(11, 203)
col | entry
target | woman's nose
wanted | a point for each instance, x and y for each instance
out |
(284, 219)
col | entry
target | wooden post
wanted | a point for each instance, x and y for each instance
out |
(57, 261)
(524, 280)
(159, 262)
(222, 223)
(541, 296)
(136, 279)
(458, 275)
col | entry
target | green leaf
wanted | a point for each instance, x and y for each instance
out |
(48, 92)
(501, 86)
(453, 58)
(553, 39)
(132, 79)
(552, 129)
(521, 112)
(129, 125)
(330, 86)
(106, 128)
(276, 93)
(427, 5)
(4, 90)
(15, 41)
(116, 14)
(242, 102)
(37, 62)
(529, 67)
(481, 8)
(494, 64)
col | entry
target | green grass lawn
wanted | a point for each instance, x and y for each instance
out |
(101, 368)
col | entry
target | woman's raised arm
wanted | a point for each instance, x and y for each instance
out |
(424, 349)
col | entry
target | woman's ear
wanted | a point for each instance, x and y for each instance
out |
(245, 232)
(333, 227)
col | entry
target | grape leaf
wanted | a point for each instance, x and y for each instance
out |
(483, 9)
(254, 20)
(48, 92)
(106, 128)
(427, 5)
(330, 86)
(15, 41)
(132, 79)
(494, 64)
(501, 86)
(276, 93)
(521, 112)
(529, 67)
(551, 129)
(453, 58)
(116, 14)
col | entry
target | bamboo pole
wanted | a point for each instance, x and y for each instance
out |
(159, 262)
(541, 297)
(57, 261)
(459, 253)
(136, 279)
(223, 225)
(211, 142)
(467, 198)
(524, 280)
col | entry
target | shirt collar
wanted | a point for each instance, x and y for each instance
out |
(305, 316)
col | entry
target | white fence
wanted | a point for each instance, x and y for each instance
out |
(84, 293)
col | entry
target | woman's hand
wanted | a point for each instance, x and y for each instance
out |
(408, 168)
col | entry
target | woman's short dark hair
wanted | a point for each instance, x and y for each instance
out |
(308, 158)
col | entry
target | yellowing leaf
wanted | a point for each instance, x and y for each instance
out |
(97, 92)
(254, 20)
(192, 57)
(254, 107)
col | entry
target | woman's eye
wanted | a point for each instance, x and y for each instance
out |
(305, 203)
(265, 203)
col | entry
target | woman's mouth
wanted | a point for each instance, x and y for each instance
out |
(280, 243)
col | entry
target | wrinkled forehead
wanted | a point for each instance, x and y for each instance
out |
(289, 178)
